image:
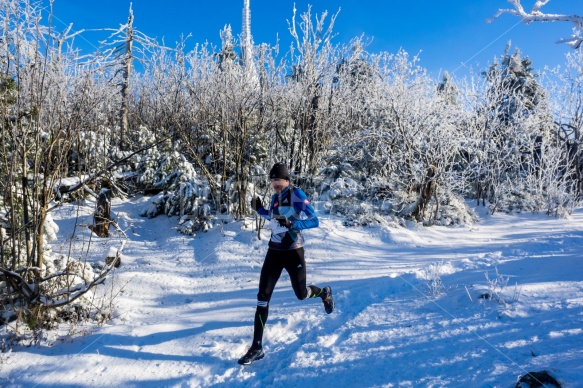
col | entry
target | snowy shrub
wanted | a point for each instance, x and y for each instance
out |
(156, 207)
(199, 220)
(344, 188)
(65, 295)
(367, 219)
(165, 168)
(186, 226)
(92, 148)
(188, 193)
(385, 207)
(453, 210)
(337, 178)
(497, 289)
(341, 193)
(190, 226)
(374, 200)
(187, 198)
(496, 286)
(189, 201)
(76, 271)
(557, 198)
(431, 276)
(144, 137)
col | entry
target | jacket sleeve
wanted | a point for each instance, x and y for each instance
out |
(301, 203)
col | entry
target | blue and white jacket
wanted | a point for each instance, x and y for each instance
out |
(293, 203)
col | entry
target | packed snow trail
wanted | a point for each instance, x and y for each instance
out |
(184, 308)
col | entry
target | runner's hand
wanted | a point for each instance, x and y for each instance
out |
(256, 204)
(285, 222)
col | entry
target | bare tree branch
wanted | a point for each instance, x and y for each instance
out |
(92, 176)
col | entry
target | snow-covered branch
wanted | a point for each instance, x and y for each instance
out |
(535, 15)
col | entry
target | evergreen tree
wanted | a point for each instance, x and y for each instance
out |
(516, 121)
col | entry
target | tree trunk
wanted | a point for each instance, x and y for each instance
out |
(40, 231)
(125, 83)
(426, 192)
(102, 215)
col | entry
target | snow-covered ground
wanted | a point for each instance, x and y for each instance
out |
(409, 311)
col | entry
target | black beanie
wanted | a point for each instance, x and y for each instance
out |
(279, 170)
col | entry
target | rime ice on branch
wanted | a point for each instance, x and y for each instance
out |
(536, 15)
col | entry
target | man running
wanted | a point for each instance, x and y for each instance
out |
(289, 212)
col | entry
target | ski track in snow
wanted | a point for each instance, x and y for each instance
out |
(184, 307)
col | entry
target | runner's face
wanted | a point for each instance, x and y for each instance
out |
(279, 184)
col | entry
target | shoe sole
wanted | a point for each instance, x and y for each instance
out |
(331, 302)
(251, 361)
(330, 310)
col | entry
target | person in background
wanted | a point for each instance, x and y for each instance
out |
(289, 212)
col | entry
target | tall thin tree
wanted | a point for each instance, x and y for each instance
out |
(125, 82)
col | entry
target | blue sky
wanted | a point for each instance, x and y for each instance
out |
(450, 35)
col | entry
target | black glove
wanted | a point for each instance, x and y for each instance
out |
(283, 221)
(256, 204)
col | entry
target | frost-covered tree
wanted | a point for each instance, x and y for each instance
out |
(125, 80)
(448, 90)
(397, 137)
(568, 109)
(309, 90)
(512, 122)
(363, 132)
(46, 100)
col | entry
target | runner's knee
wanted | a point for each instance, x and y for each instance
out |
(263, 297)
(302, 293)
